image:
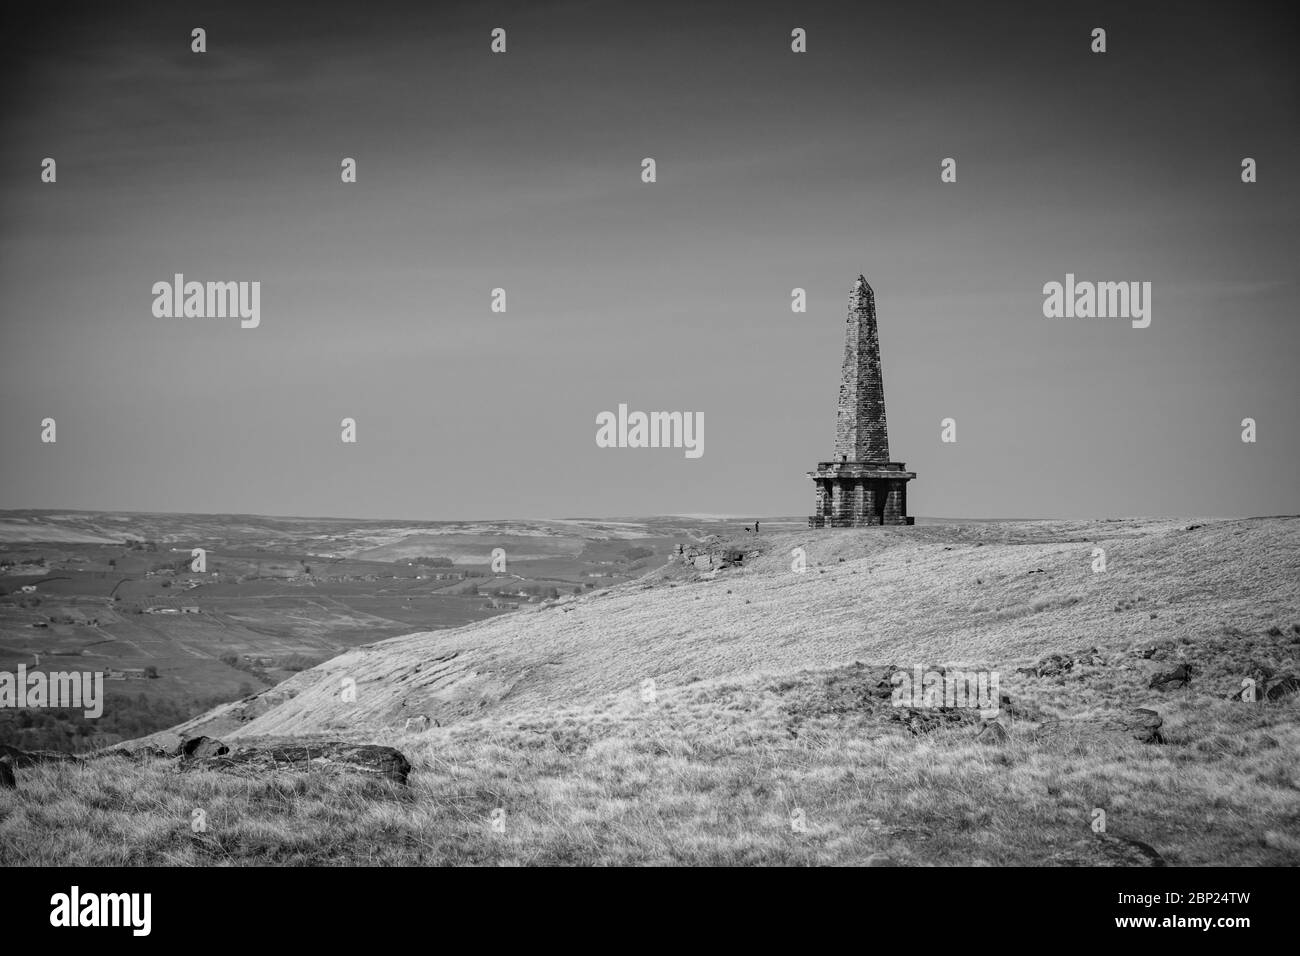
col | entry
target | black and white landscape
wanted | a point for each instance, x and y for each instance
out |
(408, 414)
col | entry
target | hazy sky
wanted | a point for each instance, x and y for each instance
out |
(522, 171)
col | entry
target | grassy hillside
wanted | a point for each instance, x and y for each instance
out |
(989, 595)
(765, 737)
(108, 592)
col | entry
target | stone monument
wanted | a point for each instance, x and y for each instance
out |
(861, 486)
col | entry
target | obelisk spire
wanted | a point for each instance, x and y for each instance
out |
(861, 487)
(861, 434)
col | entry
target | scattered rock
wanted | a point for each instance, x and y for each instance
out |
(1175, 679)
(884, 688)
(1141, 723)
(924, 721)
(1284, 685)
(1058, 665)
(1270, 688)
(1054, 665)
(196, 748)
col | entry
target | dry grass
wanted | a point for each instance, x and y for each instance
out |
(705, 775)
(760, 712)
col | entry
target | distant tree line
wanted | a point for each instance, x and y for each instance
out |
(125, 717)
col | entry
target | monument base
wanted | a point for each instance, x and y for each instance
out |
(860, 494)
(815, 521)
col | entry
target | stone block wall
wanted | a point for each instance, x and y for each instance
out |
(859, 502)
(861, 432)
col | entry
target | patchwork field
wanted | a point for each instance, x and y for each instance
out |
(117, 593)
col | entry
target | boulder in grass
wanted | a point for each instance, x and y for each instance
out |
(1125, 851)
(1274, 688)
(328, 756)
(1283, 685)
(1106, 849)
(196, 748)
(1175, 679)
(1140, 723)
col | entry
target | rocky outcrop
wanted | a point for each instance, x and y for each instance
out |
(1140, 723)
(197, 748)
(1058, 665)
(713, 555)
(918, 720)
(327, 756)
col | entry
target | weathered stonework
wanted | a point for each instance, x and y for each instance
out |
(862, 486)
